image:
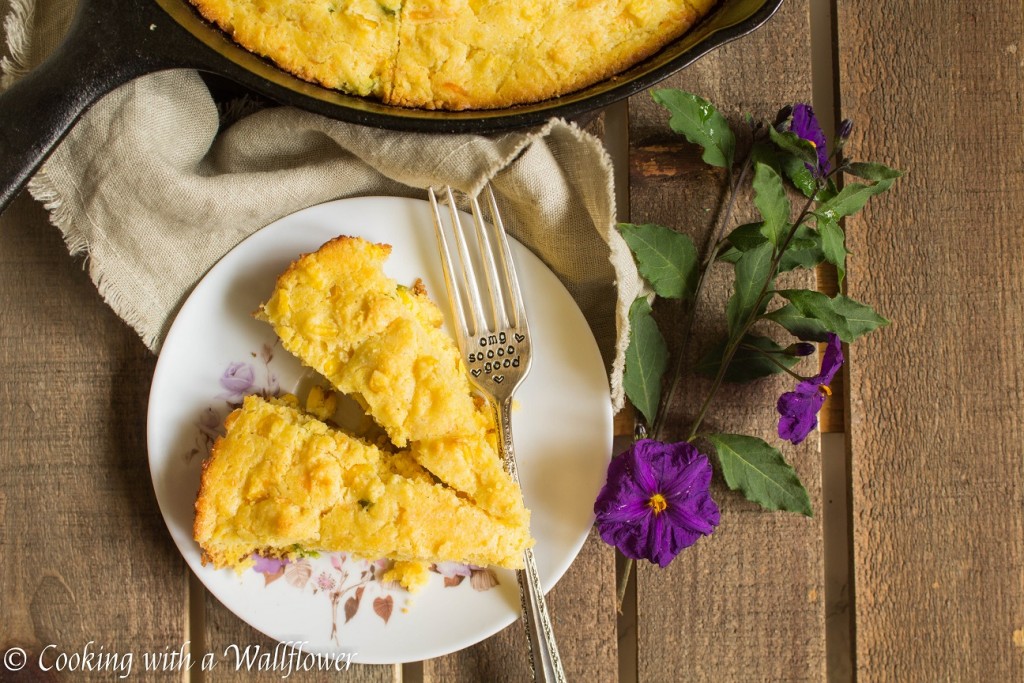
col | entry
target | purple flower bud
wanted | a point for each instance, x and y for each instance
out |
(800, 349)
(782, 116)
(845, 128)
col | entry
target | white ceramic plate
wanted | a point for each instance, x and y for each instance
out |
(216, 351)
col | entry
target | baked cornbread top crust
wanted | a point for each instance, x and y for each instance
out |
(348, 45)
(281, 481)
(454, 54)
(340, 314)
(467, 54)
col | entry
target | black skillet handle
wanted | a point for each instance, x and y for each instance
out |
(110, 42)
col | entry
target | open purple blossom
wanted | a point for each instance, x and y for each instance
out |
(805, 125)
(799, 408)
(656, 501)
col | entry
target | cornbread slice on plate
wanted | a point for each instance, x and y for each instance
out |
(381, 343)
(281, 481)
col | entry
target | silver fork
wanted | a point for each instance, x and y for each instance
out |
(495, 343)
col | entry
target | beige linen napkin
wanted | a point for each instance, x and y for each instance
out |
(153, 190)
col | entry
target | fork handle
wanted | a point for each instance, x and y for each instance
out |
(544, 658)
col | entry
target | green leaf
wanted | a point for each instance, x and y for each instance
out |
(667, 259)
(833, 246)
(770, 199)
(804, 250)
(759, 471)
(788, 165)
(795, 145)
(753, 269)
(842, 315)
(702, 124)
(799, 175)
(747, 236)
(798, 324)
(746, 364)
(827, 193)
(730, 255)
(860, 318)
(850, 200)
(873, 171)
(646, 359)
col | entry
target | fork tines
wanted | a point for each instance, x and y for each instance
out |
(484, 250)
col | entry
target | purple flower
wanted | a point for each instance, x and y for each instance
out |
(236, 381)
(805, 124)
(799, 408)
(656, 501)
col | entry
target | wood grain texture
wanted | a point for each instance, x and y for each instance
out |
(582, 608)
(746, 603)
(936, 434)
(84, 553)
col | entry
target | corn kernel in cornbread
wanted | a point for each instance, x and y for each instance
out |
(383, 344)
(455, 54)
(280, 480)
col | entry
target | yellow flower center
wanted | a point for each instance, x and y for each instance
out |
(658, 503)
(823, 388)
(812, 144)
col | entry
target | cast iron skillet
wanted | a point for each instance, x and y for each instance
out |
(113, 41)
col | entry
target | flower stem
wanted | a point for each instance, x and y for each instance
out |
(734, 343)
(770, 357)
(620, 594)
(714, 244)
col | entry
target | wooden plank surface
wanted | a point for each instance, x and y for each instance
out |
(746, 603)
(84, 554)
(936, 402)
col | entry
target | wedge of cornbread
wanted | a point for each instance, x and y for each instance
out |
(281, 481)
(383, 344)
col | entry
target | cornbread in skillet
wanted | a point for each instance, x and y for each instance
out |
(455, 54)
(468, 54)
(381, 343)
(348, 45)
(281, 481)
